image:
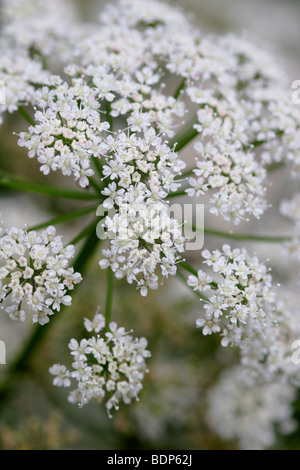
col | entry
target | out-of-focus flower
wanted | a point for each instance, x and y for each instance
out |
(250, 414)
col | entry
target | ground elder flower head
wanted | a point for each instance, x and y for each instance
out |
(140, 173)
(241, 300)
(145, 243)
(35, 276)
(67, 133)
(109, 366)
(235, 182)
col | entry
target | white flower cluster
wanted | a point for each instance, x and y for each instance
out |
(252, 415)
(40, 26)
(268, 357)
(144, 238)
(224, 166)
(67, 134)
(110, 365)
(21, 75)
(34, 273)
(134, 159)
(144, 235)
(241, 301)
(234, 178)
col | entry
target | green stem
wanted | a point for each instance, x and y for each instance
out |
(22, 362)
(199, 294)
(36, 52)
(87, 250)
(110, 119)
(63, 218)
(242, 236)
(258, 143)
(246, 237)
(20, 184)
(183, 139)
(85, 232)
(95, 185)
(177, 194)
(188, 268)
(179, 89)
(26, 115)
(275, 166)
(98, 167)
(184, 175)
(109, 297)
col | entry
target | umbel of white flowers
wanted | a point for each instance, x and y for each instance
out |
(108, 366)
(35, 275)
(242, 299)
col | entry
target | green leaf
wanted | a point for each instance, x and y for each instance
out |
(26, 116)
(20, 184)
(109, 297)
(64, 218)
